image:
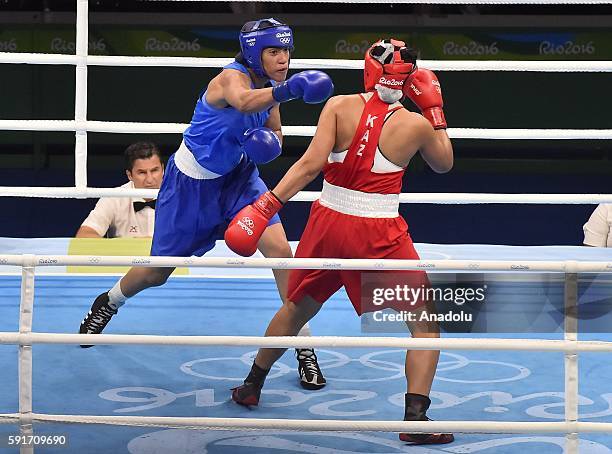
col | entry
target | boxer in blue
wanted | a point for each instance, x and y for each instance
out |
(235, 126)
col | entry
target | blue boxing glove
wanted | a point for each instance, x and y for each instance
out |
(313, 86)
(261, 145)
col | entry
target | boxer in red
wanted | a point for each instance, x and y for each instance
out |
(363, 144)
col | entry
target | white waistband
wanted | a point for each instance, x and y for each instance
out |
(357, 203)
(187, 164)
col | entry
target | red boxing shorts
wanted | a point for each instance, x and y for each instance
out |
(331, 234)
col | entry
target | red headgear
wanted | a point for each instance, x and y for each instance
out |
(388, 63)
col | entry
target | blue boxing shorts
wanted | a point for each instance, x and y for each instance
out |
(192, 212)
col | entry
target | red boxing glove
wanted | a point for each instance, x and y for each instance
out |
(424, 90)
(247, 227)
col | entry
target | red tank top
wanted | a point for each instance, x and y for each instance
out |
(355, 171)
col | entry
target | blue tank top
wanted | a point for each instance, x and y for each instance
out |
(214, 134)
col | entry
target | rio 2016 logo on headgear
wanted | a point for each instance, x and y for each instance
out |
(390, 82)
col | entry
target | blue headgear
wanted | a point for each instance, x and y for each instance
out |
(255, 36)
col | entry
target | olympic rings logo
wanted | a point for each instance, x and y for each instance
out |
(248, 221)
(285, 40)
(94, 260)
(392, 368)
(389, 362)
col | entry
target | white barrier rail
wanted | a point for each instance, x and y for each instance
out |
(568, 266)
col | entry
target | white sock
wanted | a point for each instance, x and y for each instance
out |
(116, 298)
(305, 331)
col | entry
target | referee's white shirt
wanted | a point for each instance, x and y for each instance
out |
(116, 216)
(597, 229)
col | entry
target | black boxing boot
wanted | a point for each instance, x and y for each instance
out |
(415, 410)
(249, 392)
(98, 316)
(311, 376)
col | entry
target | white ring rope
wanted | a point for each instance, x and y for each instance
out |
(308, 63)
(122, 127)
(309, 196)
(322, 425)
(312, 341)
(550, 266)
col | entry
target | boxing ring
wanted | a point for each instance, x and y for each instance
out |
(187, 387)
(124, 382)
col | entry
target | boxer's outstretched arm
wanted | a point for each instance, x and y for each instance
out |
(314, 158)
(233, 88)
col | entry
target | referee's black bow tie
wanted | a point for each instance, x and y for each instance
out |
(140, 205)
